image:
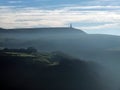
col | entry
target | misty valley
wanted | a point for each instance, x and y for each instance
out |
(59, 58)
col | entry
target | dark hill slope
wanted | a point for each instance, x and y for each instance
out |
(31, 72)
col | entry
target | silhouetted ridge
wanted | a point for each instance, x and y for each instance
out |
(47, 29)
(1, 29)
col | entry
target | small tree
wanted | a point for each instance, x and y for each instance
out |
(5, 49)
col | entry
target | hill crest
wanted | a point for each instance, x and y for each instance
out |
(44, 29)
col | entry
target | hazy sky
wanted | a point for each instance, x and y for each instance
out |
(92, 16)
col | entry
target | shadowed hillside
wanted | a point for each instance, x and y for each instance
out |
(46, 71)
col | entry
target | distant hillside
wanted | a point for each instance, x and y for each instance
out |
(43, 30)
(69, 40)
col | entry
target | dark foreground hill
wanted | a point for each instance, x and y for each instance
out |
(47, 71)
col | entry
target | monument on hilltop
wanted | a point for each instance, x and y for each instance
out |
(71, 26)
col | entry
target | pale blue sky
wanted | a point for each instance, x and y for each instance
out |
(92, 16)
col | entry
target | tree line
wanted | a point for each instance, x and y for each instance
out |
(21, 50)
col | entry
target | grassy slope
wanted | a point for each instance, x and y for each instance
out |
(45, 71)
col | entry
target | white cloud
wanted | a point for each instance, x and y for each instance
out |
(107, 26)
(92, 7)
(15, 1)
(11, 17)
(112, 29)
(104, 2)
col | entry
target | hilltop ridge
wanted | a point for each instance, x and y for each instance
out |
(43, 29)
